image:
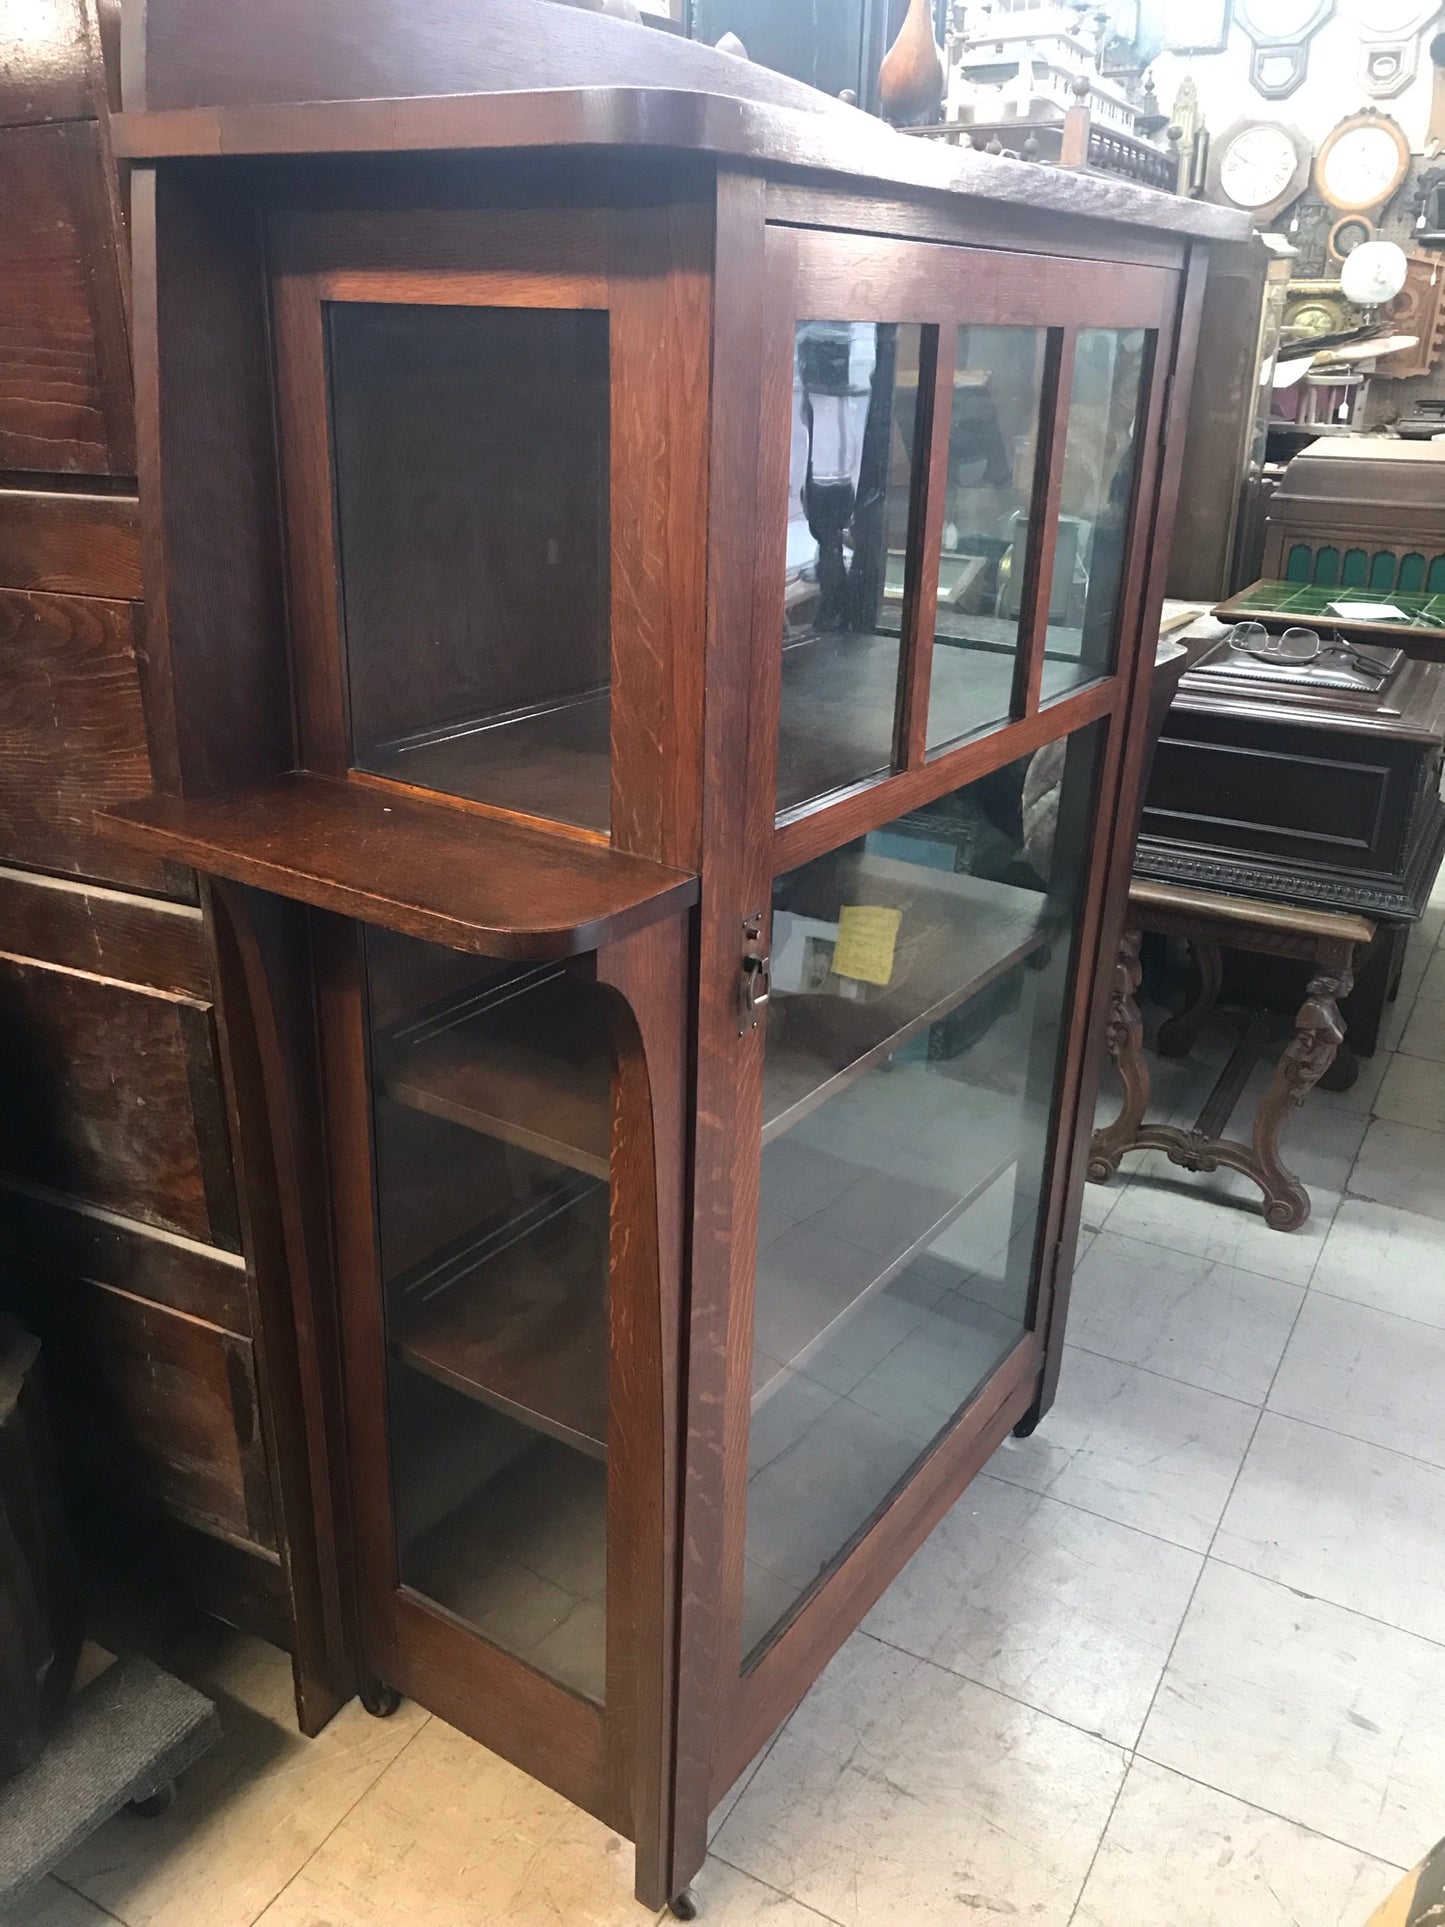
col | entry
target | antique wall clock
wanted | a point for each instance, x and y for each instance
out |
(1258, 165)
(1362, 162)
(1280, 33)
(1389, 32)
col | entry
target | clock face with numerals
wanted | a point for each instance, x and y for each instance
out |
(1258, 165)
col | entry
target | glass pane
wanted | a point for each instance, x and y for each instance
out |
(993, 441)
(855, 403)
(1097, 497)
(915, 1034)
(491, 1113)
(471, 453)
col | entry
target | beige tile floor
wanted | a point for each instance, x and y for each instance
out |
(1176, 1661)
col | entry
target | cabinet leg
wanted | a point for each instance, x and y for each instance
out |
(380, 1700)
(684, 1906)
(1125, 1038)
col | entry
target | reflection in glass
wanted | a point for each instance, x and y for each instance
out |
(915, 1035)
(1098, 492)
(993, 440)
(491, 1119)
(471, 455)
(855, 400)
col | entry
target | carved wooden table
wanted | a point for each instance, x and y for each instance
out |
(1206, 920)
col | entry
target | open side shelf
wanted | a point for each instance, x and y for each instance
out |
(436, 870)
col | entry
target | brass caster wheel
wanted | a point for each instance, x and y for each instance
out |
(685, 1906)
(380, 1701)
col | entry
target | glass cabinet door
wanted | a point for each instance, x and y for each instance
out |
(491, 1123)
(968, 456)
(919, 996)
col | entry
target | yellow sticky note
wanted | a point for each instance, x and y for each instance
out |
(867, 938)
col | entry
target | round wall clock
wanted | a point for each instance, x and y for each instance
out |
(1362, 162)
(1351, 231)
(1258, 165)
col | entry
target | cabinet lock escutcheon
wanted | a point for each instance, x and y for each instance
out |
(755, 986)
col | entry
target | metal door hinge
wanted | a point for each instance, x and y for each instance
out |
(755, 986)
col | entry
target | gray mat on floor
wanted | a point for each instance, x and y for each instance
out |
(124, 1737)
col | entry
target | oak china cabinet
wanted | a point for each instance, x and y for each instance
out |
(649, 568)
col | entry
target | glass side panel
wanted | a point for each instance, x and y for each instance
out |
(998, 392)
(471, 471)
(855, 405)
(491, 1118)
(915, 1035)
(1095, 507)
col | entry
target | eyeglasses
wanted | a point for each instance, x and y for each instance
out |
(1296, 648)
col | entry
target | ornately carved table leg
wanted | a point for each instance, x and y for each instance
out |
(1318, 1033)
(1125, 1039)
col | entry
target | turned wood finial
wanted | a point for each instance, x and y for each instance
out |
(911, 80)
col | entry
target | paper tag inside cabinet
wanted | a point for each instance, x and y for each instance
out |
(867, 939)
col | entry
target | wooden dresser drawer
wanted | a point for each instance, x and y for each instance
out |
(163, 1405)
(112, 1092)
(72, 734)
(65, 391)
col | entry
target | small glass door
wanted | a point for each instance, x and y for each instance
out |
(491, 1120)
(971, 436)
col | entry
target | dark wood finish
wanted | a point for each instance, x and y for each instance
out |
(104, 933)
(46, 1233)
(345, 82)
(71, 544)
(412, 866)
(1204, 920)
(262, 961)
(218, 705)
(48, 61)
(73, 734)
(1376, 495)
(64, 357)
(116, 987)
(348, 1062)
(155, 1400)
(100, 1102)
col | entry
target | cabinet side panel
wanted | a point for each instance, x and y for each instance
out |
(216, 685)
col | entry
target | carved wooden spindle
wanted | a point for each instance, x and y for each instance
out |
(911, 80)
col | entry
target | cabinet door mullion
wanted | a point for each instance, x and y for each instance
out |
(1044, 522)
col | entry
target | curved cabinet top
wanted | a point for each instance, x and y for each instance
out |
(207, 78)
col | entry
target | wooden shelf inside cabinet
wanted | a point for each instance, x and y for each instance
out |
(517, 1318)
(533, 1068)
(428, 869)
(831, 1315)
(818, 1043)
